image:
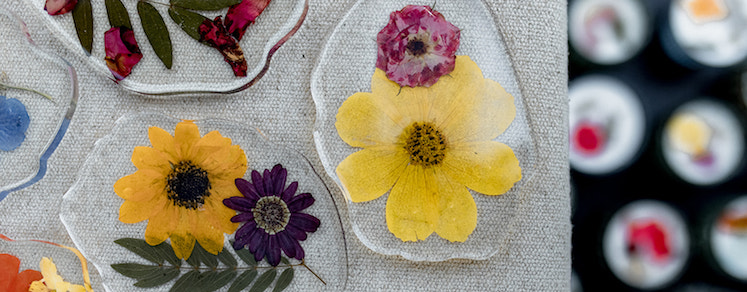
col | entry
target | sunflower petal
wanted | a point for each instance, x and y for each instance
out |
(162, 141)
(161, 225)
(367, 120)
(186, 135)
(456, 209)
(182, 240)
(487, 167)
(140, 186)
(134, 212)
(412, 207)
(150, 158)
(371, 172)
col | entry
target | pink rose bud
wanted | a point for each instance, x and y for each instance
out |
(122, 51)
(214, 33)
(57, 7)
(241, 15)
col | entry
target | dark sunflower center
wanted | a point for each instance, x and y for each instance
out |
(187, 185)
(271, 214)
(417, 47)
(425, 144)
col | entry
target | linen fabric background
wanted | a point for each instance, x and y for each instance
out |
(537, 258)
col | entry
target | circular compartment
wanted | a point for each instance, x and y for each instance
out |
(646, 244)
(607, 125)
(728, 239)
(703, 142)
(608, 32)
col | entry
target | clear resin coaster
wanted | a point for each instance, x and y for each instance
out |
(432, 161)
(196, 67)
(177, 217)
(31, 123)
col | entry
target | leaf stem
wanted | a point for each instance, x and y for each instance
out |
(158, 3)
(303, 263)
(5, 85)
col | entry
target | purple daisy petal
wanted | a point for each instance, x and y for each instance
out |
(243, 217)
(279, 177)
(304, 222)
(245, 231)
(300, 202)
(267, 183)
(273, 251)
(259, 242)
(296, 233)
(290, 191)
(240, 203)
(258, 183)
(247, 189)
(288, 244)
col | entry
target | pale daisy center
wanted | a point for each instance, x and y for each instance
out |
(187, 185)
(271, 214)
(418, 44)
(425, 144)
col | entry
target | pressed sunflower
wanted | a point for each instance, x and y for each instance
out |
(428, 145)
(179, 188)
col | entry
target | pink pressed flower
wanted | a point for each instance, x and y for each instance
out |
(241, 15)
(214, 33)
(57, 7)
(122, 51)
(417, 46)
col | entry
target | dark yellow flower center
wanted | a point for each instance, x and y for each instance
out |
(187, 185)
(425, 144)
(271, 214)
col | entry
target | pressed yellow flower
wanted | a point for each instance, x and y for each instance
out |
(179, 188)
(52, 280)
(428, 145)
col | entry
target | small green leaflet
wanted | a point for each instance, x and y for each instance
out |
(205, 272)
(187, 20)
(156, 31)
(83, 19)
(118, 16)
(204, 4)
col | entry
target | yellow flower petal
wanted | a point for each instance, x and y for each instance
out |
(371, 172)
(134, 212)
(412, 206)
(221, 215)
(163, 141)
(161, 224)
(456, 208)
(365, 120)
(209, 237)
(487, 167)
(182, 240)
(140, 186)
(186, 135)
(150, 158)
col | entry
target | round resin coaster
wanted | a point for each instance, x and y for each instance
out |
(727, 239)
(433, 169)
(31, 123)
(195, 67)
(188, 181)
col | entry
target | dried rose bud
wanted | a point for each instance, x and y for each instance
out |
(241, 15)
(57, 7)
(122, 51)
(417, 46)
(214, 33)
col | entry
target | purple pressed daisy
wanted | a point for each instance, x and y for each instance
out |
(417, 46)
(272, 216)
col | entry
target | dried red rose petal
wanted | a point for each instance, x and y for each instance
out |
(241, 15)
(122, 51)
(214, 33)
(57, 7)
(417, 46)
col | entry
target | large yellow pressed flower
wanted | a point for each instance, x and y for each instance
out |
(179, 188)
(428, 145)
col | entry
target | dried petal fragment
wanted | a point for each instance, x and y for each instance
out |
(241, 15)
(57, 7)
(417, 46)
(122, 51)
(214, 33)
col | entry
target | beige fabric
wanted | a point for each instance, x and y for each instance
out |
(536, 259)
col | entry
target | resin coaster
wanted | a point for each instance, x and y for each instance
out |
(92, 209)
(346, 71)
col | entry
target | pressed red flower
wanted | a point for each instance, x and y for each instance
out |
(214, 33)
(122, 51)
(417, 46)
(241, 15)
(13, 281)
(57, 7)
(650, 235)
(272, 216)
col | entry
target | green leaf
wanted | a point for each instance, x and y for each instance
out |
(162, 276)
(204, 4)
(246, 256)
(83, 19)
(243, 281)
(284, 260)
(201, 255)
(211, 280)
(135, 271)
(264, 281)
(156, 31)
(141, 248)
(164, 250)
(284, 280)
(186, 282)
(187, 20)
(118, 16)
(225, 257)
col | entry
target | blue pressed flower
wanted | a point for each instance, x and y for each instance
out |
(14, 120)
